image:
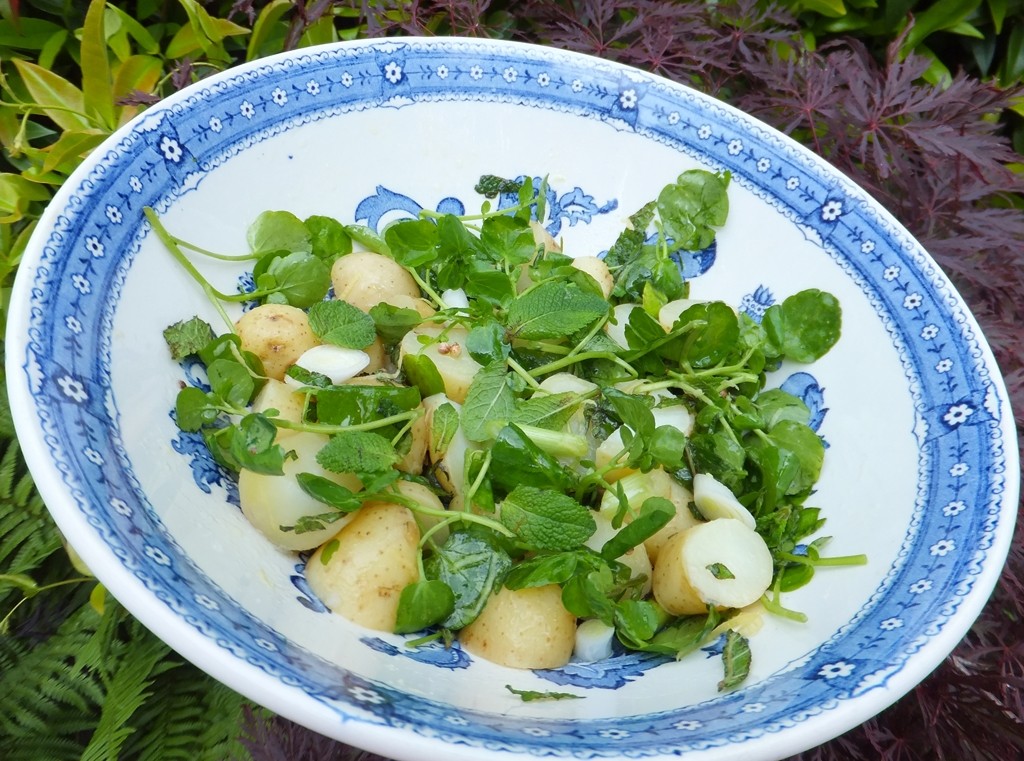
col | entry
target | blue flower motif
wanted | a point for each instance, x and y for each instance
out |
(393, 72)
(171, 149)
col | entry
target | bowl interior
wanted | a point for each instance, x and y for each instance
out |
(920, 472)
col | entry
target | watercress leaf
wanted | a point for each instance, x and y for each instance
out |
(550, 411)
(808, 449)
(329, 492)
(278, 231)
(804, 326)
(735, 660)
(423, 603)
(352, 404)
(368, 238)
(508, 239)
(229, 347)
(492, 286)
(218, 441)
(516, 460)
(338, 322)
(328, 239)
(667, 446)
(194, 408)
(253, 446)
(776, 405)
(302, 279)
(589, 595)
(231, 382)
(359, 452)
(713, 335)
(636, 621)
(455, 242)
(682, 636)
(188, 337)
(529, 696)
(654, 513)
(546, 520)
(472, 565)
(721, 456)
(642, 330)
(553, 309)
(487, 343)
(543, 569)
(421, 372)
(692, 206)
(489, 403)
(392, 322)
(634, 411)
(412, 242)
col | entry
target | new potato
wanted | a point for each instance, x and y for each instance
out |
(368, 564)
(523, 628)
(365, 279)
(276, 333)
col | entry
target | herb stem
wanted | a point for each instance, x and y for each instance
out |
(523, 373)
(425, 287)
(330, 428)
(170, 242)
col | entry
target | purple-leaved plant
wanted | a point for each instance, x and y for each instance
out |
(936, 157)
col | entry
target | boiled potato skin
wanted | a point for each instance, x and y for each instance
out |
(276, 333)
(523, 628)
(373, 561)
(365, 279)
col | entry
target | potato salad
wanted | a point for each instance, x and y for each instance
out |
(542, 455)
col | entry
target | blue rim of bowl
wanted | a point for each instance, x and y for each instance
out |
(59, 366)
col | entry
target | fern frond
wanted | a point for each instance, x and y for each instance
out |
(43, 702)
(128, 689)
(195, 719)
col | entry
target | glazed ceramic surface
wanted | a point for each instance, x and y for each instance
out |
(920, 474)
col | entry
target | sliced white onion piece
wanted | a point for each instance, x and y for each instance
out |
(593, 641)
(455, 298)
(714, 500)
(336, 362)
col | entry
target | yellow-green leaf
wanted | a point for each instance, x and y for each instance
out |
(138, 72)
(97, 88)
(146, 42)
(16, 193)
(52, 48)
(56, 97)
(98, 598)
(185, 41)
(264, 26)
(70, 148)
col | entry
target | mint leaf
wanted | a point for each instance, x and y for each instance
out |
(361, 452)
(338, 322)
(443, 425)
(187, 337)
(528, 696)
(551, 411)
(489, 403)
(554, 309)
(735, 659)
(472, 566)
(545, 519)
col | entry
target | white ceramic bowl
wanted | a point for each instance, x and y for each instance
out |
(921, 473)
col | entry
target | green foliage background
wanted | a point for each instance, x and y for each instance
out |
(79, 677)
